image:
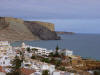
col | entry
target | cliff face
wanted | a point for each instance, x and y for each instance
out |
(13, 29)
(42, 31)
(49, 26)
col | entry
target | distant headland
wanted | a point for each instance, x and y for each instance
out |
(63, 32)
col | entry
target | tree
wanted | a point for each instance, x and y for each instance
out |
(57, 48)
(70, 60)
(96, 73)
(62, 54)
(56, 53)
(28, 49)
(45, 72)
(57, 63)
(16, 65)
(45, 60)
(22, 55)
(62, 68)
(33, 57)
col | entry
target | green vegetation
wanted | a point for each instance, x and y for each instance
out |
(28, 49)
(57, 48)
(62, 54)
(56, 53)
(70, 60)
(16, 65)
(34, 49)
(97, 72)
(45, 72)
(33, 57)
(62, 68)
(51, 54)
(57, 63)
(54, 58)
(45, 60)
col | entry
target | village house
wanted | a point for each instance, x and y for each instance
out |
(38, 51)
(31, 66)
(66, 52)
(6, 53)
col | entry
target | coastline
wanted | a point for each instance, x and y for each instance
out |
(80, 44)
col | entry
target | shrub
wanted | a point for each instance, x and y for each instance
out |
(45, 72)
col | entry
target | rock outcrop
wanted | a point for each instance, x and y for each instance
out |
(43, 32)
(13, 29)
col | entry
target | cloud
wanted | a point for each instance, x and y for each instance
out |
(59, 9)
(76, 25)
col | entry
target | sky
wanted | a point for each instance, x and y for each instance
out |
(80, 16)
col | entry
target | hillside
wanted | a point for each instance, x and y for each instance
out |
(13, 29)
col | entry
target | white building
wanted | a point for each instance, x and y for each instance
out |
(5, 48)
(66, 52)
(39, 51)
(6, 53)
(69, 73)
(5, 61)
(43, 52)
(56, 73)
(23, 45)
(36, 73)
(5, 45)
(26, 64)
(45, 66)
(2, 73)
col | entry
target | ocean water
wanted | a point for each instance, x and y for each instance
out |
(85, 45)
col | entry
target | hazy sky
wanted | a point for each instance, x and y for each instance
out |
(81, 16)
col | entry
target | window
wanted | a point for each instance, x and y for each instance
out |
(3, 62)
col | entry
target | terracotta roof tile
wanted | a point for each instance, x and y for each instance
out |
(1, 69)
(26, 71)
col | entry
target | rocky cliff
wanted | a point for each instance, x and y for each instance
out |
(43, 32)
(49, 26)
(13, 29)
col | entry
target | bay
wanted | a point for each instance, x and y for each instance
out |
(85, 45)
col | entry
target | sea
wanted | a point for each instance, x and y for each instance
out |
(85, 45)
